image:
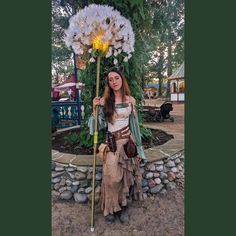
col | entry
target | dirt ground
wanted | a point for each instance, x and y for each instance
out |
(159, 215)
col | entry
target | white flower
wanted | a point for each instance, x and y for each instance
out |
(126, 59)
(115, 53)
(95, 20)
(115, 61)
(108, 54)
(91, 60)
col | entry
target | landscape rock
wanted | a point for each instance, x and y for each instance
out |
(174, 169)
(82, 169)
(68, 182)
(88, 190)
(80, 197)
(74, 188)
(75, 183)
(57, 174)
(170, 164)
(159, 168)
(159, 162)
(80, 176)
(62, 182)
(149, 175)
(151, 183)
(163, 175)
(157, 180)
(177, 161)
(99, 176)
(56, 180)
(157, 188)
(171, 176)
(171, 186)
(156, 174)
(59, 168)
(62, 189)
(151, 167)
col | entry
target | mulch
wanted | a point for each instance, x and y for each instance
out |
(58, 141)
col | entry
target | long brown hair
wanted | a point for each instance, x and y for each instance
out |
(109, 96)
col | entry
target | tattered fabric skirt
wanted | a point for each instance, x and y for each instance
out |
(122, 179)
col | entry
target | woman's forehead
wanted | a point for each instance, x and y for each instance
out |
(113, 74)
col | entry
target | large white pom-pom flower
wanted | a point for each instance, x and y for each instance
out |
(100, 28)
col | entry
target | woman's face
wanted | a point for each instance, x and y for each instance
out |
(114, 81)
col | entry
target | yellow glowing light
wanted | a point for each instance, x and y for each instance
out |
(100, 43)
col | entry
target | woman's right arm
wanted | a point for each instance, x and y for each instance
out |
(97, 101)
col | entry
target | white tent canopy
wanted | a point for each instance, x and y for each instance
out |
(179, 73)
(66, 85)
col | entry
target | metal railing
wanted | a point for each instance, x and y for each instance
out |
(66, 114)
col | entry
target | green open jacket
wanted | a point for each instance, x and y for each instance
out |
(133, 125)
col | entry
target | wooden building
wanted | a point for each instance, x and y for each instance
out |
(177, 85)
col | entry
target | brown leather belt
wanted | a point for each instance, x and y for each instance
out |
(122, 133)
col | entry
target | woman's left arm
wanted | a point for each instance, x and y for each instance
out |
(132, 101)
(135, 130)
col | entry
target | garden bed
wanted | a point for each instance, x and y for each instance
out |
(159, 137)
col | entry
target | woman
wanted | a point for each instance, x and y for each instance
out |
(121, 175)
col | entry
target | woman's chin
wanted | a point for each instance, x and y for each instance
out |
(116, 89)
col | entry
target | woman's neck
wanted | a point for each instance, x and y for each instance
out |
(118, 96)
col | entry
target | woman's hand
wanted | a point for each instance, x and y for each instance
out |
(96, 102)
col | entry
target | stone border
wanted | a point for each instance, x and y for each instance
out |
(74, 182)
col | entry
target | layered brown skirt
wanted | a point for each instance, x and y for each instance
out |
(122, 179)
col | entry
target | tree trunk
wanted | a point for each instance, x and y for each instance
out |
(169, 64)
(160, 70)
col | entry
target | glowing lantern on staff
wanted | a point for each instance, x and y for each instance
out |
(101, 44)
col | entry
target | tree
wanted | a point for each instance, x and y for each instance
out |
(62, 63)
(168, 24)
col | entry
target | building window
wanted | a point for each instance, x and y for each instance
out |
(174, 88)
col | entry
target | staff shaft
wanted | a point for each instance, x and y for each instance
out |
(95, 141)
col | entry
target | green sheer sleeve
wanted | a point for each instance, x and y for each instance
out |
(101, 121)
(135, 130)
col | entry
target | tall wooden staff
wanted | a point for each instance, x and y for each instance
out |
(109, 34)
(95, 141)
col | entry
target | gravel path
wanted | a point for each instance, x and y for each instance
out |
(159, 215)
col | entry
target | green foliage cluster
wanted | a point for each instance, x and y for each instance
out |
(86, 140)
(72, 138)
(146, 134)
(82, 138)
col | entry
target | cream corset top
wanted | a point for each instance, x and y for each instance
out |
(121, 117)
